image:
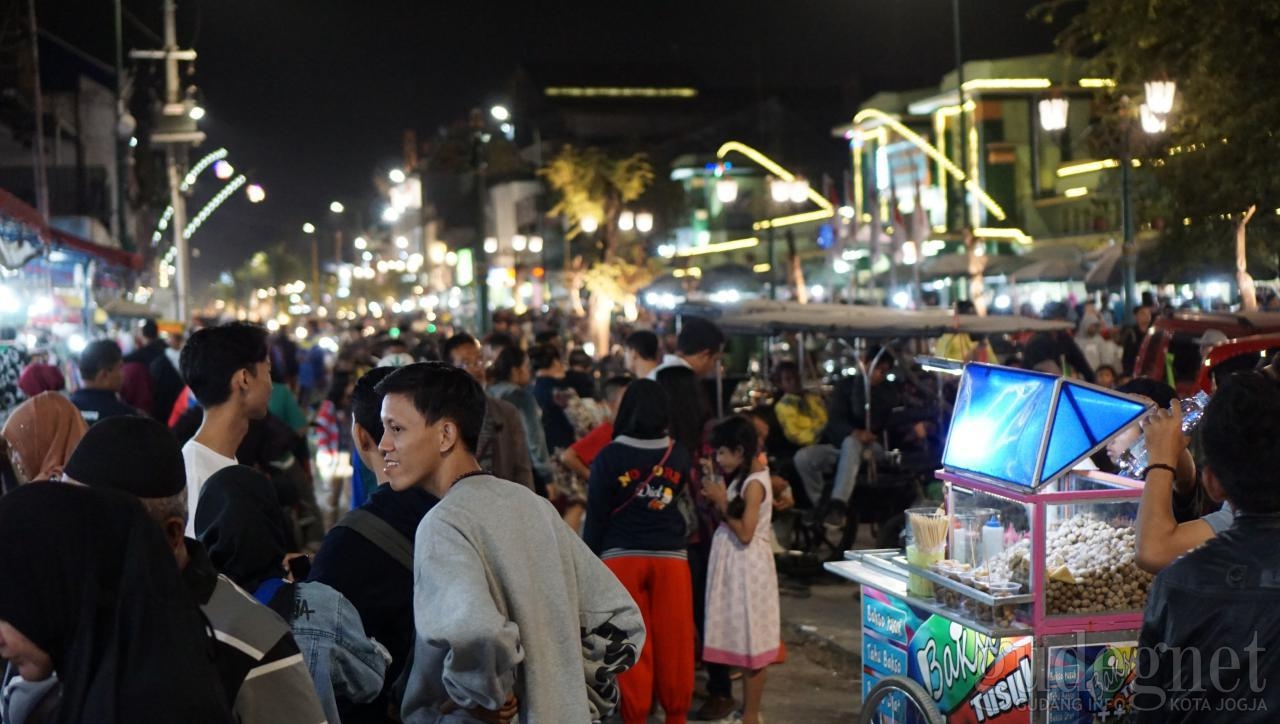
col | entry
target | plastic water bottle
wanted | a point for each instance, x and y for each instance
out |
(1134, 460)
(992, 539)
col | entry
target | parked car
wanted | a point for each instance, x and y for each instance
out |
(1172, 349)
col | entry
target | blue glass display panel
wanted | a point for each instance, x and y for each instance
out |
(1084, 419)
(998, 427)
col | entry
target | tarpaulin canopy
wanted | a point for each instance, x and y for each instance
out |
(22, 231)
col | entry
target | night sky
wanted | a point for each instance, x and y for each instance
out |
(311, 96)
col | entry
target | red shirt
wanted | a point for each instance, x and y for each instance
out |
(593, 442)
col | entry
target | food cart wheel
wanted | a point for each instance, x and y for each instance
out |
(911, 703)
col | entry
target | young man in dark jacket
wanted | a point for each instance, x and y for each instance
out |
(368, 555)
(1206, 651)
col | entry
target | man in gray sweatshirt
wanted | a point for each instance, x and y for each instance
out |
(513, 613)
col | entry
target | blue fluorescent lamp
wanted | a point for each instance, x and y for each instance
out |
(1026, 428)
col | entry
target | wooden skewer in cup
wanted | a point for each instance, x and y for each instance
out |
(930, 531)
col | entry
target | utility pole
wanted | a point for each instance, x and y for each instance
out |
(176, 131)
(172, 95)
(37, 148)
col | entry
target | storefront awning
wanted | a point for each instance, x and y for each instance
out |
(22, 230)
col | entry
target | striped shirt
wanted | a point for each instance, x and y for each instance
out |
(262, 670)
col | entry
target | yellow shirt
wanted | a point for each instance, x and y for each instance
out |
(801, 417)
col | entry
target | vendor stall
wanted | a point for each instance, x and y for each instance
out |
(1021, 600)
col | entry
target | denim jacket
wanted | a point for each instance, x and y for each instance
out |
(1210, 634)
(343, 661)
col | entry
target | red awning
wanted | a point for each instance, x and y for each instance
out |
(18, 210)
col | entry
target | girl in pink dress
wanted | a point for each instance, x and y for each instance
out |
(742, 627)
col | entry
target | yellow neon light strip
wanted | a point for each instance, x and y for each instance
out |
(855, 151)
(793, 219)
(932, 153)
(619, 92)
(722, 246)
(973, 172)
(947, 111)
(1007, 84)
(1097, 83)
(826, 209)
(1017, 235)
(1076, 192)
(1087, 167)
(940, 133)
(770, 165)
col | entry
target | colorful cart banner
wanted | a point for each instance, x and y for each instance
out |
(1087, 683)
(976, 679)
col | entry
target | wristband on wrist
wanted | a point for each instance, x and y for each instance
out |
(1159, 466)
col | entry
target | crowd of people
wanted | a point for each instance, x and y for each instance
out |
(528, 532)
(525, 532)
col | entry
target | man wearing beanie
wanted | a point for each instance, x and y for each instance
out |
(262, 670)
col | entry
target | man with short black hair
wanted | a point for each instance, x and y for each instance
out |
(514, 614)
(262, 670)
(101, 376)
(229, 372)
(368, 555)
(640, 353)
(698, 347)
(503, 448)
(1205, 651)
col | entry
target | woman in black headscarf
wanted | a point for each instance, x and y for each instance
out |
(635, 525)
(89, 590)
(241, 525)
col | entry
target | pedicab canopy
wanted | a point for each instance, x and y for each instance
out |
(1025, 428)
(773, 317)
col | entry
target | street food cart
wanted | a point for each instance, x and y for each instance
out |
(1021, 600)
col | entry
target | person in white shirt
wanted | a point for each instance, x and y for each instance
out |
(228, 369)
(698, 347)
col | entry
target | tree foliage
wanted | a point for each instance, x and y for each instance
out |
(590, 183)
(1222, 145)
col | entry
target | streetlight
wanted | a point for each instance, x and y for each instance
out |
(626, 221)
(726, 190)
(397, 176)
(361, 244)
(308, 228)
(535, 245)
(337, 207)
(518, 242)
(589, 224)
(784, 192)
(644, 222)
(1160, 95)
(1151, 121)
(196, 113)
(1152, 118)
(490, 245)
(1053, 114)
(500, 114)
